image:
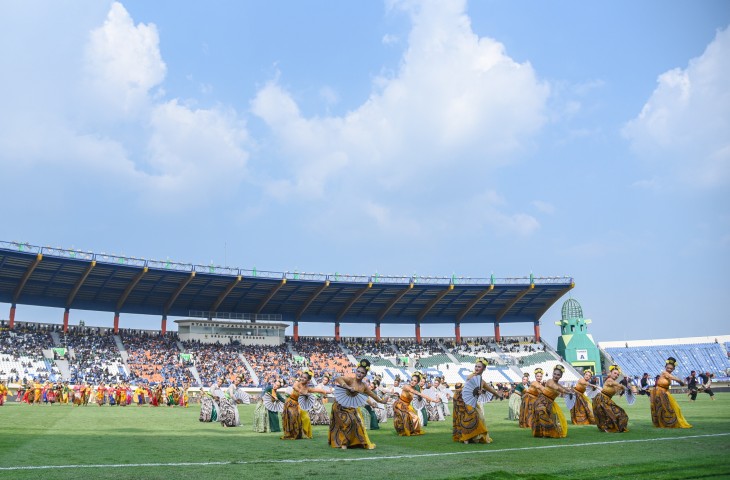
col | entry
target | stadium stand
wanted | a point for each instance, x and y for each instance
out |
(94, 357)
(702, 354)
(21, 355)
(156, 359)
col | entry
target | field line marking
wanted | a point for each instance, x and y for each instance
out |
(362, 459)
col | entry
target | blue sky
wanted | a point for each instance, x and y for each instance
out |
(589, 139)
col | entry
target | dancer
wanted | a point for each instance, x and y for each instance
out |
(296, 422)
(527, 407)
(515, 399)
(228, 414)
(665, 412)
(468, 421)
(318, 414)
(347, 428)
(581, 413)
(548, 420)
(609, 416)
(405, 418)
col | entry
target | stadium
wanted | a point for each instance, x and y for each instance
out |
(231, 328)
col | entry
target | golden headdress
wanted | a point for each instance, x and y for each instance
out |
(671, 360)
(308, 371)
(560, 368)
(614, 367)
(364, 363)
(483, 361)
(587, 370)
(538, 370)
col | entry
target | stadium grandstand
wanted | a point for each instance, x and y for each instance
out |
(233, 322)
(702, 354)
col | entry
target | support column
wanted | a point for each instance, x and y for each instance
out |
(296, 331)
(337, 331)
(497, 336)
(377, 332)
(116, 323)
(537, 332)
(65, 320)
(457, 332)
(163, 325)
(418, 333)
(11, 324)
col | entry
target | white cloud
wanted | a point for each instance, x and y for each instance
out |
(195, 150)
(684, 127)
(109, 119)
(544, 207)
(123, 62)
(457, 107)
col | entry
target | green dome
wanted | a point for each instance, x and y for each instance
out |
(572, 309)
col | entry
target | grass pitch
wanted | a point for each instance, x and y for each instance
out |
(144, 442)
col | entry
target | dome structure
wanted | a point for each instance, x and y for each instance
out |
(572, 309)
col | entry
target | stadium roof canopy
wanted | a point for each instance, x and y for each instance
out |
(72, 279)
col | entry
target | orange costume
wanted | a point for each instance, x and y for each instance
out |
(665, 412)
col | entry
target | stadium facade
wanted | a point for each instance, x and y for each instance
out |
(71, 279)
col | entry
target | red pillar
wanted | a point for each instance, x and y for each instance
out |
(418, 333)
(337, 331)
(497, 336)
(377, 332)
(11, 325)
(457, 332)
(163, 326)
(116, 323)
(296, 331)
(65, 320)
(537, 332)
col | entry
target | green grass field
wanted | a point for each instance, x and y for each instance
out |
(105, 437)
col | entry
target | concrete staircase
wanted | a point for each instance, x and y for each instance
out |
(122, 350)
(56, 339)
(196, 375)
(448, 354)
(63, 367)
(249, 368)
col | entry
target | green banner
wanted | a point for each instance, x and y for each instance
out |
(60, 351)
(186, 357)
(299, 359)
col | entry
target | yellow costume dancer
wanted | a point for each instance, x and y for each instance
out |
(295, 421)
(609, 416)
(581, 413)
(347, 428)
(527, 408)
(665, 412)
(468, 422)
(548, 420)
(405, 418)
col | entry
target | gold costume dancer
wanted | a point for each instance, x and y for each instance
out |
(295, 421)
(347, 428)
(468, 421)
(548, 420)
(581, 413)
(665, 412)
(527, 408)
(405, 418)
(609, 416)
